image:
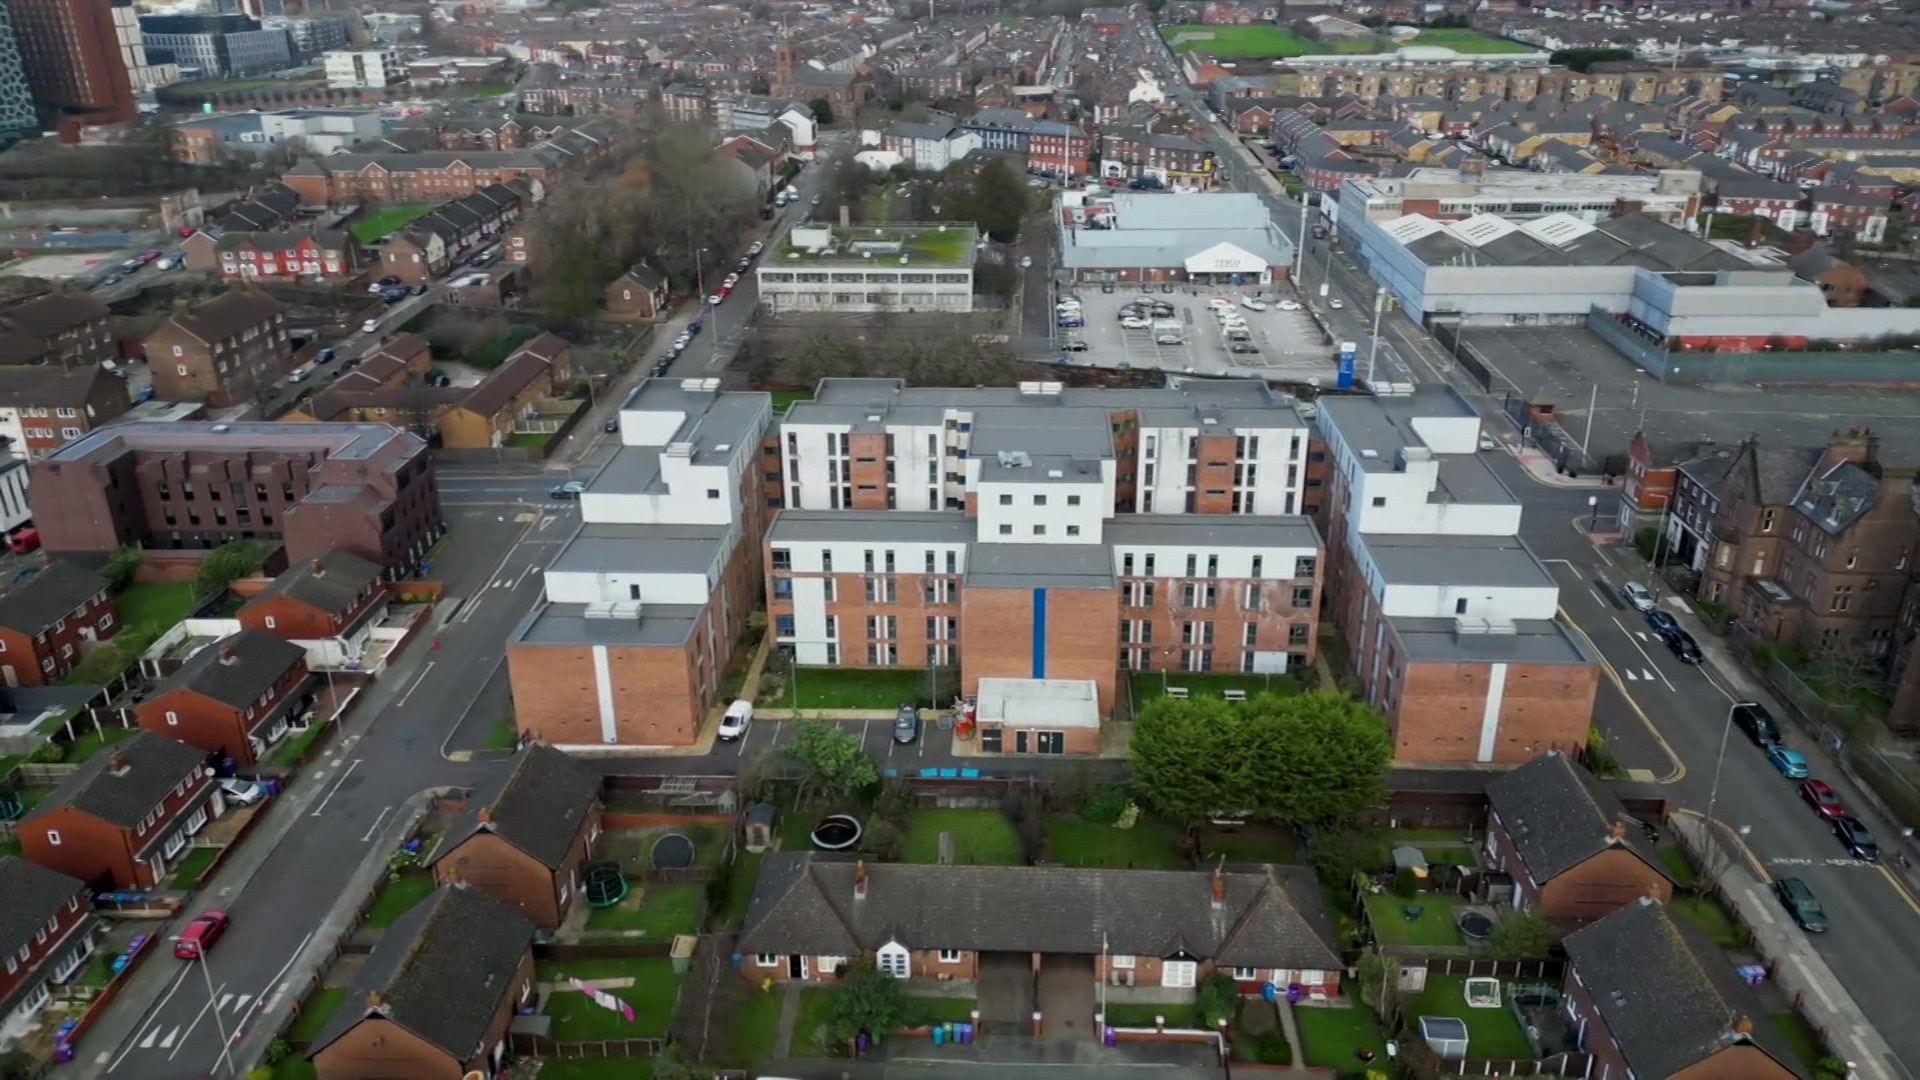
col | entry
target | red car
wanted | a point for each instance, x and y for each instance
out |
(200, 934)
(1822, 799)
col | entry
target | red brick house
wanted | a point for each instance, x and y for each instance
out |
(47, 932)
(328, 253)
(68, 328)
(1055, 148)
(525, 844)
(235, 697)
(47, 620)
(1650, 997)
(640, 293)
(44, 407)
(1573, 852)
(437, 994)
(330, 596)
(1142, 932)
(121, 819)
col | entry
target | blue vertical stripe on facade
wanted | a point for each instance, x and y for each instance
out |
(1039, 633)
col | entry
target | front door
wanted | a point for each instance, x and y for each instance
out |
(1020, 741)
(796, 966)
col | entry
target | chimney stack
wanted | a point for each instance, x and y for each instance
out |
(375, 1000)
(228, 656)
(1617, 832)
(1219, 889)
(860, 880)
(117, 763)
(315, 567)
(1743, 1025)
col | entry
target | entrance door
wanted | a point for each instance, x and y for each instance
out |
(796, 967)
(1020, 741)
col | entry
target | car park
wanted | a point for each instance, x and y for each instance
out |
(1220, 303)
(1801, 904)
(1289, 305)
(200, 934)
(1855, 838)
(1754, 719)
(1824, 800)
(1637, 595)
(906, 724)
(735, 721)
(1135, 322)
(1070, 322)
(1791, 763)
(1073, 344)
(569, 490)
(1160, 309)
(1168, 338)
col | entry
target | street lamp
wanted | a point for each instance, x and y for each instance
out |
(213, 1006)
(1373, 351)
(1593, 512)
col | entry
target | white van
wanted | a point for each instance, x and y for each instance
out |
(1167, 326)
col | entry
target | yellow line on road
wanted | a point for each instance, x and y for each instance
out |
(1900, 887)
(1679, 772)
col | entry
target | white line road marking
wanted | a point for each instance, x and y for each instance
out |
(417, 680)
(178, 977)
(1597, 597)
(152, 1034)
(1628, 672)
(335, 790)
(242, 1002)
(522, 579)
(371, 829)
(1642, 634)
(240, 1024)
(188, 1033)
(1715, 683)
(171, 1036)
(1648, 675)
(1643, 653)
(225, 1000)
(1604, 557)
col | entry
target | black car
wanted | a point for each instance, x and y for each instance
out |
(417, 289)
(1800, 903)
(612, 425)
(1661, 622)
(1856, 839)
(1685, 649)
(1754, 719)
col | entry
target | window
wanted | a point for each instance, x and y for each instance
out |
(1245, 974)
(172, 717)
(1073, 530)
(782, 559)
(892, 960)
(1177, 974)
(53, 837)
(1006, 530)
(1006, 500)
(1121, 962)
(767, 960)
(1460, 606)
(269, 622)
(1039, 500)
(783, 625)
(1073, 500)
(1039, 530)
(1379, 500)
(949, 956)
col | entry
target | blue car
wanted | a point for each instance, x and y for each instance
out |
(1791, 764)
(1661, 622)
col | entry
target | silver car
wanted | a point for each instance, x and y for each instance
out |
(906, 724)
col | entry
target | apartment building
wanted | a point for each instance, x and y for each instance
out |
(70, 52)
(42, 408)
(350, 69)
(222, 351)
(1450, 619)
(363, 488)
(645, 605)
(871, 268)
(72, 329)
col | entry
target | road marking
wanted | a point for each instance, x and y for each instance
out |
(1631, 677)
(1597, 596)
(152, 1012)
(240, 1024)
(1648, 675)
(1678, 767)
(224, 1000)
(1643, 653)
(242, 1002)
(417, 680)
(371, 829)
(1715, 683)
(152, 1034)
(171, 1037)
(188, 1033)
(335, 790)
(1899, 888)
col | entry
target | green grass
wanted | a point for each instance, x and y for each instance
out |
(289, 751)
(1801, 1037)
(751, 1028)
(1462, 40)
(186, 873)
(859, 688)
(1491, 1033)
(1181, 1015)
(1150, 845)
(632, 1068)
(1678, 866)
(746, 873)
(980, 838)
(1148, 685)
(1434, 926)
(530, 440)
(1251, 844)
(154, 605)
(1332, 1038)
(94, 741)
(1265, 41)
(656, 912)
(924, 246)
(396, 897)
(378, 223)
(816, 1006)
(503, 735)
(295, 1068)
(577, 1019)
(1707, 916)
(315, 1012)
(787, 399)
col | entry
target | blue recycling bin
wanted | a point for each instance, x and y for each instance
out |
(939, 1034)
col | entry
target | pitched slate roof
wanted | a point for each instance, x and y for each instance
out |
(1559, 816)
(804, 903)
(330, 583)
(227, 314)
(1670, 999)
(237, 669)
(55, 313)
(49, 596)
(40, 387)
(1837, 498)
(440, 971)
(30, 894)
(151, 766)
(539, 807)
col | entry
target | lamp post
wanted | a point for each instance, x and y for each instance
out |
(1373, 351)
(213, 1006)
(1593, 512)
(1713, 789)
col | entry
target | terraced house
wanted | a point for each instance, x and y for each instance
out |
(125, 816)
(222, 351)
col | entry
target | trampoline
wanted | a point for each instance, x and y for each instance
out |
(672, 852)
(1474, 926)
(603, 883)
(1446, 1035)
(836, 832)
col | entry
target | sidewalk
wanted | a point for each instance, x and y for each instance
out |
(1794, 964)
(1541, 468)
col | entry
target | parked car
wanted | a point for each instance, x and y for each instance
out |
(714, 300)
(1754, 719)
(612, 424)
(370, 326)
(1336, 303)
(24, 541)
(1685, 648)
(1487, 443)
(730, 281)
(569, 490)
(241, 791)
(1289, 305)
(1243, 347)
(736, 720)
(325, 355)
(1637, 595)
(1801, 904)
(1168, 339)
(1160, 309)
(393, 296)
(1252, 304)
(1070, 322)
(1134, 322)
(418, 288)
(1220, 303)
(1073, 345)
(200, 934)
(1825, 801)
(906, 724)
(387, 282)
(300, 373)
(1855, 838)
(756, 248)
(1661, 622)
(1791, 763)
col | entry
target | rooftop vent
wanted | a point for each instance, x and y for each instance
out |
(1014, 459)
(694, 386)
(1369, 453)
(1055, 474)
(679, 450)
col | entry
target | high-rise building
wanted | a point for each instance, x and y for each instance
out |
(17, 117)
(72, 58)
(146, 75)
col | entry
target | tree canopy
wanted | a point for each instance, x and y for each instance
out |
(865, 1000)
(228, 563)
(1305, 760)
(835, 761)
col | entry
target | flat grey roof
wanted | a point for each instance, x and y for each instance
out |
(1533, 641)
(1464, 478)
(1384, 423)
(344, 441)
(1456, 560)
(569, 624)
(632, 470)
(851, 401)
(929, 526)
(1057, 566)
(714, 418)
(1219, 529)
(663, 549)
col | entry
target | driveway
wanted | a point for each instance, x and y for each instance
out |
(1006, 992)
(1066, 996)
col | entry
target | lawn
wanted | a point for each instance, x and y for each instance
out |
(1184, 1015)
(615, 1068)
(1462, 40)
(1433, 926)
(1801, 1037)
(1707, 916)
(154, 606)
(396, 897)
(378, 223)
(751, 1028)
(652, 994)
(1491, 1033)
(1148, 685)
(787, 399)
(315, 1012)
(816, 1005)
(860, 688)
(951, 246)
(503, 735)
(1150, 845)
(186, 873)
(289, 751)
(980, 837)
(1332, 1038)
(1678, 866)
(1249, 844)
(93, 741)
(740, 883)
(655, 912)
(530, 440)
(1254, 42)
